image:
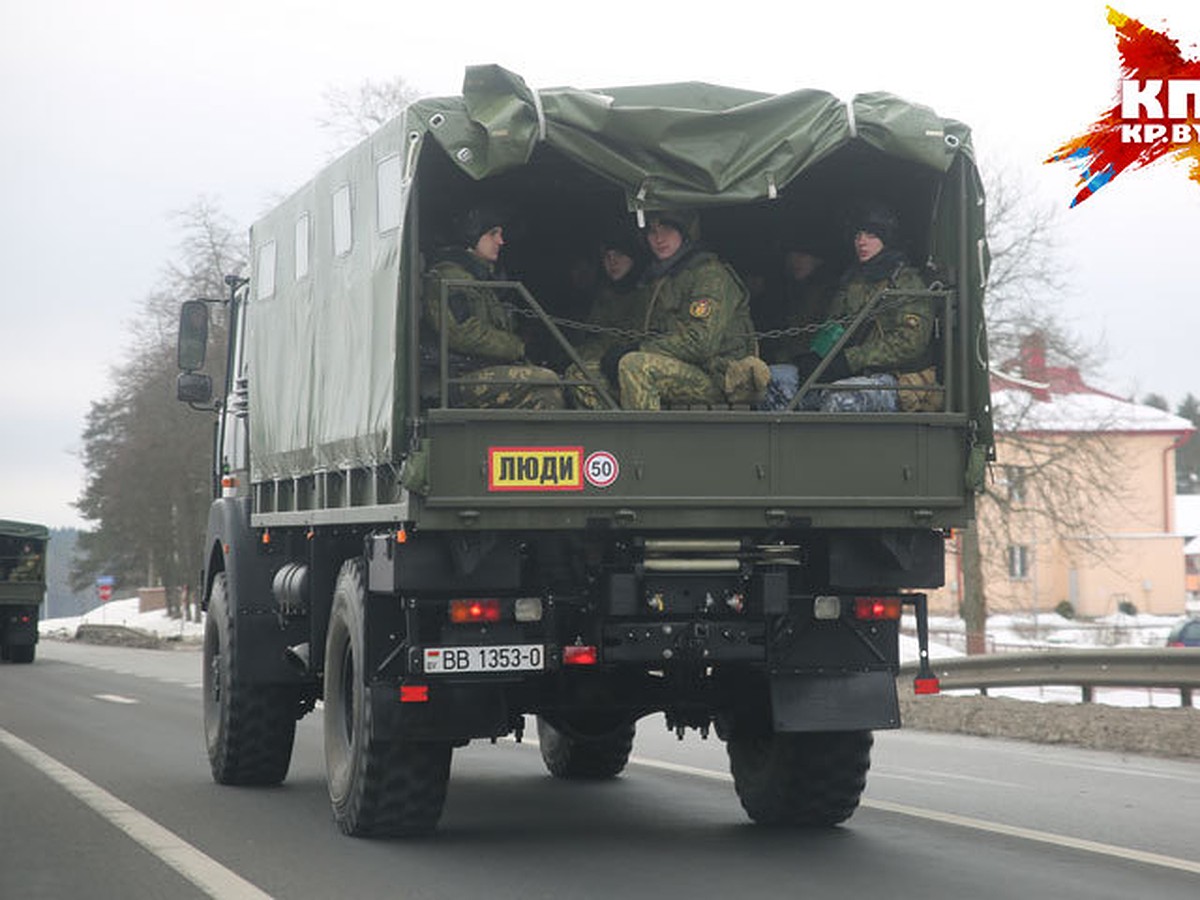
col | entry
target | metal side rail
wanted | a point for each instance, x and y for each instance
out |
(1175, 668)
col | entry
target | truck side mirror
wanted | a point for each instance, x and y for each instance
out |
(193, 336)
(193, 387)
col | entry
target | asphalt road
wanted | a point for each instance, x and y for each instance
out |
(105, 792)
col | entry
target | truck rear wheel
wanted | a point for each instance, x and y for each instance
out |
(807, 778)
(249, 728)
(376, 787)
(598, 758)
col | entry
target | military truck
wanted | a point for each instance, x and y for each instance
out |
(22, 587)
(437, 574)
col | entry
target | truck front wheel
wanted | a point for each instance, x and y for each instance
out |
(807, 778)
(376, 787)
(568, 756)
(249, 728)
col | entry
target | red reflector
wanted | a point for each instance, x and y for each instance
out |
(464, 611)
(926, 686)
(575, 655)
(877, 608)
(414, 693)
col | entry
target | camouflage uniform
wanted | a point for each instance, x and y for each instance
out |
(621, 307)
(484, 346)
(806, 303)
(700, 311)
(896, 337)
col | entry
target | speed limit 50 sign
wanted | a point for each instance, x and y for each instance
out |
(601, 469)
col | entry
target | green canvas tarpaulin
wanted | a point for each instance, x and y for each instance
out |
(323, 340)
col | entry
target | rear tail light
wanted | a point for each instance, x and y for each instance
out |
(467, 611)
(877, 608)
(578, 655)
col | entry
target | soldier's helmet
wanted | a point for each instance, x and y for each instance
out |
(685, 221)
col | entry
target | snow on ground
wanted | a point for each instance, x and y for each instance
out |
(124, 612)
(1005, 633)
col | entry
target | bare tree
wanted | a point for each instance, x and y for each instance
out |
(1054, 470)
(147, 456)
(354, 113)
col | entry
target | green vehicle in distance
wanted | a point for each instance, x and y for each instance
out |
(435, 574)
(22, 587)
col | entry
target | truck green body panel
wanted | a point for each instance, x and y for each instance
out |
(739, 469)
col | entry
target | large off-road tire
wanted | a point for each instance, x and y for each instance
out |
(377, 788)
(810, 778)
(249, 728)
(598, 758)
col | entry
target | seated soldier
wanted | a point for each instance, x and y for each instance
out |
(619, 307)
(893, 339)
(485, 349)
(697, 320)
(802, 302)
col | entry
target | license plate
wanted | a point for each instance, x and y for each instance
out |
(511, 658)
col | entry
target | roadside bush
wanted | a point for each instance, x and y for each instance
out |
(1065, 609)
(1127, 608)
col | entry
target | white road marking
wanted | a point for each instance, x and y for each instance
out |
(930, 815)
(201, 870)
(894, 772)
(115, 698)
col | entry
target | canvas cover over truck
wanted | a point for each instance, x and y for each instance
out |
(724, 566)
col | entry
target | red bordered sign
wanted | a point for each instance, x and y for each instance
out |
(535, 469)
(601, 469)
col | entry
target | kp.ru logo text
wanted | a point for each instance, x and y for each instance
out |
(1141, 103)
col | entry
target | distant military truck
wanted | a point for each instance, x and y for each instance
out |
(22, 587)
(435, 574)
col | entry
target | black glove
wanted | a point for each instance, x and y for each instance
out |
(612, 359)
(837, 369)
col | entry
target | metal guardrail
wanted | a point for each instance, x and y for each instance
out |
(1174, 668)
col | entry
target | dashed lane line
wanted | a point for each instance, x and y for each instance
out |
(201, 870)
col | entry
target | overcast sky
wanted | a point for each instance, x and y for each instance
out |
(116, 115)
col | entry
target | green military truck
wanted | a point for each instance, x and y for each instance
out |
(437, 574)
(22, 587)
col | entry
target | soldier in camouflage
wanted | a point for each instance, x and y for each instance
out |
(485, 350)
(619, 306)
(698, 312)
(894, 339)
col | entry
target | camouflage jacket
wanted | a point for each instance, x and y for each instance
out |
(478, 324)
(700, 312)
(620, 307)
(805, 304)
(896, 338)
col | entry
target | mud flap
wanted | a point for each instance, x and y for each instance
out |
(855, 701)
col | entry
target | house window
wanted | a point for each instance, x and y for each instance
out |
(1018, 561)
(1015, 477)
(342, 238)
